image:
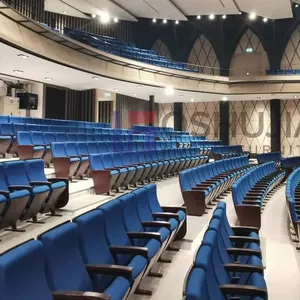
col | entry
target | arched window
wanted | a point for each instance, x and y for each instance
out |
(204, 55)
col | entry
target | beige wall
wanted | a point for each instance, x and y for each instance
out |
(166, 115)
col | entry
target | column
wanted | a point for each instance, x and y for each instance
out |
(178, 116)
(151, 110)
(275, 125)
(224, 122)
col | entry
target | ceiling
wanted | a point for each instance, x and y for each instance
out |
(170, 9)
(41, 70)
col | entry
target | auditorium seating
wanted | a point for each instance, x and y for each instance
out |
(267, 157)
(106, 251)
(110, 171)
(283, 72)
(130, 51)
(221, 152)
(201, 185)
(249, 192)
(292, 193)
(226, 266)
(290, 163)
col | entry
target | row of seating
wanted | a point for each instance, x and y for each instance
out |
(25, 191)
(221, 152)
(250, 191)
(267, 157)
(228, 264)
(290, 163)
(112, 171)
(201, 186)
(292, 193)
(148, 129)
(283, 72)
(102, 254)
(45, 121)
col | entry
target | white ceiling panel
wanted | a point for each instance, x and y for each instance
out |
(272, 9)
(60, 7)
(207, 7)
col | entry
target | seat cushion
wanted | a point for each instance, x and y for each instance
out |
(138, 263)
(153, 247)
(40, 189)
(57, 185)
(2, 199)
(164, 233)
(114, 172)
(74, 159)
(182, 215)
(117, 289)
(19, 194)
(38, 148)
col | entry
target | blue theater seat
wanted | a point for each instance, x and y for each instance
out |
(62, 244)
(16, 178)
(267, 157)
(58, 196)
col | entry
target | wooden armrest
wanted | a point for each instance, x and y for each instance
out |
(77, 295)
(132, 250)
(157, 224)
(145, 235)
(243, 268)
(237, 289)
(40, 183)
(243, 252)
(245, 239)
(20, 187)
(115, 270)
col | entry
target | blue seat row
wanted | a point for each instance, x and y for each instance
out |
(106, 252)
(292, 193)
(221, 152)
(203, 184)
(228, 263)
(114, 170)
(249, 192)
(283, 72)
(25, 191)
(290, 163)
(44, 121)
(267, 157)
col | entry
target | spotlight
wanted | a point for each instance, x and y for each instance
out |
(169, 91)
(165, 21)
(224, 98)
(240, 13)
(153, 20)
(93, 16)
(192, 100)
(296, 5)
(265, 20)
(18, 71)
(65, 12)
(211, 17)
(295, 96)
(48, 78)
(24, 56)
(116, 20)
(105, 18)
(247, 73)
(224, 17)
(198, 17)
(252, 16)
(176, 22)
(134, 95)
(95, 77)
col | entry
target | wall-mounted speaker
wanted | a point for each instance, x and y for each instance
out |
(28, 101)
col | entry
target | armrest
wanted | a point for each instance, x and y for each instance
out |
(115, 270)
(4, 193)
(165, 215)
(157, 224)
(245, 239)
(40, 183)
(199, 188)
(56, 179)
(76, 295)
(243, 268)
(237, 289)
(173, 209)
(248, 229)
(243, 252)
(74, 156)
(145, 235)
(251, 202)
(20, 187)
(112, 169)
(132, 250)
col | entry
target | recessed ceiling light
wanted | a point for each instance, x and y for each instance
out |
(169, 91)
(116, 20)
(192, 100)
(265, 20)
(295, 96)
(296, 5)
(224, 98)
(18, 71)
(165, 21)
(93, 16)
(154, 20)
(48, 78)
(176, 22)
(115, 90)
(24, 56)
(211, 17)
(105, 18)
(65, 12)
(240, 13)
(247, 73)
(224, 17)
(199, 17)
(134, 95)
(252, 16)
(95, 77)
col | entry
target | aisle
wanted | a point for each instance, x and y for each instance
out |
(282, 258)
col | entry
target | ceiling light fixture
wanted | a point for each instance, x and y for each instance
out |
(95, 77)
(134, 95)
(169, 91)
(116, 20)
(247, 73)
(65, 12)
(296, 5)
(94, 16)
(48, 78)
(198, 17)
(105, 18)
(165, 21)
(211, 17)
(240, 13)
(252, 16)
(153, 20)
(176, 22)
(224, 17)
(224, 98)
(265, 20)
(18, 71)
(295, 96)
(192, 100)
(24, 56)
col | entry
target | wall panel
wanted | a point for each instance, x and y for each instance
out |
(166, 115)
(162, 49)
(250, 125)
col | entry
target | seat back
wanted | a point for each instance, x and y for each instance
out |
(24, 138)
(15, 173)
(58, 149)
(35, 170)
(37, 138)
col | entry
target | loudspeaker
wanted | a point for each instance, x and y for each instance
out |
(28, 101)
